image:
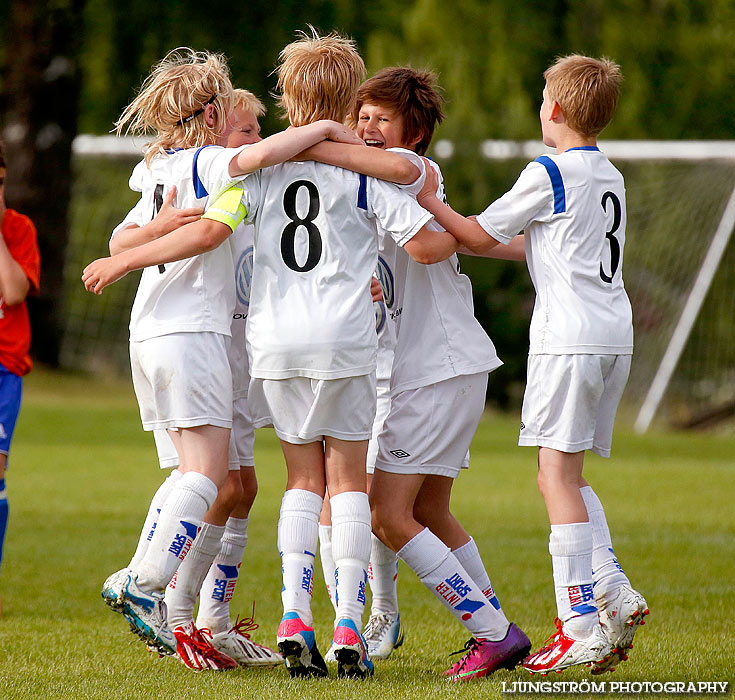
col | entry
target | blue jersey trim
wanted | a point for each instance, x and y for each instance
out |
(557, 184)
(362, 193)
(582, 148)
(199, 189)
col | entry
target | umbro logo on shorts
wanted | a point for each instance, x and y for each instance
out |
(523, 425)
(400, 453)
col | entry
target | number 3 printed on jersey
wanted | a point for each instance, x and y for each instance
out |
(288, 237)
(614, 243)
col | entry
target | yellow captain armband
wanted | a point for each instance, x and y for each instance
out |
(227, 207)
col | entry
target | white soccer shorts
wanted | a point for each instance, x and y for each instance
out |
(571, 400)
(303, 410)
(182, 380)
(429, 429)
(382, 407)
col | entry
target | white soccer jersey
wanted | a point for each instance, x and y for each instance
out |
(572, 208)
(242, 252)
(316, 249)
(438, 336)
(190, 295)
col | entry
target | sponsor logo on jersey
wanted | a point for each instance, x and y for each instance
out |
(454, 591)
(243, 277)
(385, 277)
(580, 597)
(400, 453)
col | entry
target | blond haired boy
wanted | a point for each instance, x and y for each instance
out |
(571, 206)
(180, 322)
(212, 567)
(311, 334)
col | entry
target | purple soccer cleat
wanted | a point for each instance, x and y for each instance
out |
(483, 656)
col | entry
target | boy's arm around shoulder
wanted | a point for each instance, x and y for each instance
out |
(286, 144)
(365, 160)
(190, 240)
(466, 230)
(219, 221)
(168, 219)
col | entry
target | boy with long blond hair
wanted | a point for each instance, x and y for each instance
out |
(180, 322)
(212, 568)
(311, 332)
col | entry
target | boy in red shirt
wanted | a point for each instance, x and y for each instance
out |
(20, 269)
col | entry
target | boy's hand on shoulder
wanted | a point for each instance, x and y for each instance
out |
(428, 191)
(102, 273)
(169, 218)
(341, 133)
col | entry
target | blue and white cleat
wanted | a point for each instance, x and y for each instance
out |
(112, 589)
(297, 646)
(383, 633)
(146, 613)
(351, 652)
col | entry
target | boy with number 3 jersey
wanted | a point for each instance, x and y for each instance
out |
(572, 208)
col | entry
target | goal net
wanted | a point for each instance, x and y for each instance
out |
(679, 260)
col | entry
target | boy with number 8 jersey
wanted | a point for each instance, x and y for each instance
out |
(311, 333)
(571, 206)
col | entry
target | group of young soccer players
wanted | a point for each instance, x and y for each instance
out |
(370, 388)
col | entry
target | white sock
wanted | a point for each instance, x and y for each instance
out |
(607, 574)
(351, 527)
(570, 546)
(149, 526)
(383, 577)
(219, 584)
(182, 591)
(178, 522)
(438, 569)
(298, 536)
(468, 555)
(325, 556)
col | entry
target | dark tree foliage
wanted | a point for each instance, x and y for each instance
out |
(40, 98)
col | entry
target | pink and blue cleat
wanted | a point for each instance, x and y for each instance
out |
(297, 646)
(351, 651)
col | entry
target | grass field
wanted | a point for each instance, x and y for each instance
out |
(82, 472)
